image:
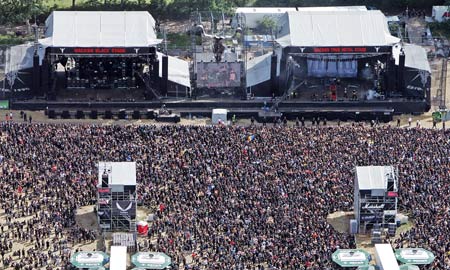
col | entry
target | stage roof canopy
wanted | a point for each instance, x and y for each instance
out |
(373, 177)
(318, 28)
(100, 29)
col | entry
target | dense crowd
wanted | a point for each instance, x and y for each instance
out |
(224, 197)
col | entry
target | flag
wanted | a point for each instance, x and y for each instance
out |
(251, 138)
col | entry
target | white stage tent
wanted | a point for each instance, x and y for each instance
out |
(254, 15)
(100, 29)
(318, 28)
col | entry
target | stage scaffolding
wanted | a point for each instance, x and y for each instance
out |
(376, 196)
(209, 32)
(116, 203)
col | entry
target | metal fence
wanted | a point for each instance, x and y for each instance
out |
(3, 50)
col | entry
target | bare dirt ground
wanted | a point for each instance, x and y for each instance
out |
(176, 26)
(340, 221)
(86, 218)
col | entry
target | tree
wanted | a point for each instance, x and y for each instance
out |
(16, 11)
(267, 25)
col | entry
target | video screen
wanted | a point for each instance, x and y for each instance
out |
(211, 75)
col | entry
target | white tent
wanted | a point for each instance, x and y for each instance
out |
(178, 70)
(334, 28)
(440, 13)
(258, 69)
(100, 29)
(415, 56)
(254, 15)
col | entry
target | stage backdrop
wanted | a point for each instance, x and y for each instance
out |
(223, 74)
(332, 68)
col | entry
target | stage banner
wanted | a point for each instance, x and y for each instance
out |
(104, 214)
(124, 208)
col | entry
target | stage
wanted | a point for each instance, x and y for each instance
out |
(241, 108)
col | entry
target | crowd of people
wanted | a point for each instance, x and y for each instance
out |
(224, 197)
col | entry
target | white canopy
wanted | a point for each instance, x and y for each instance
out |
(334, 28)
(258, 69)
(373, 177)
(415, 56)
(254, 15)
(100, 29)
(178, 70)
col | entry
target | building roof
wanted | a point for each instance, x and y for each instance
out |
(120, 173)
(273, 10)
(264, 10)
(373, 177)
(100, 29)
(415, 56)
(254, 15)
(317, 28)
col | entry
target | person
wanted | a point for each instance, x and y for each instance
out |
(398, 122)
(409, 121)
(233, 119)
(354, 95)
(285, 122)
(434, 123)
(252, 121)
(303, 121)
(30, 118)
(225, 200)
(345, 93)
(418, 123)
(297, 122)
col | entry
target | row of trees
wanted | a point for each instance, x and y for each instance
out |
(19, 11)
(16, 11)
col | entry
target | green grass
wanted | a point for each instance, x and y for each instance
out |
(13, 40)
(178, 40)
